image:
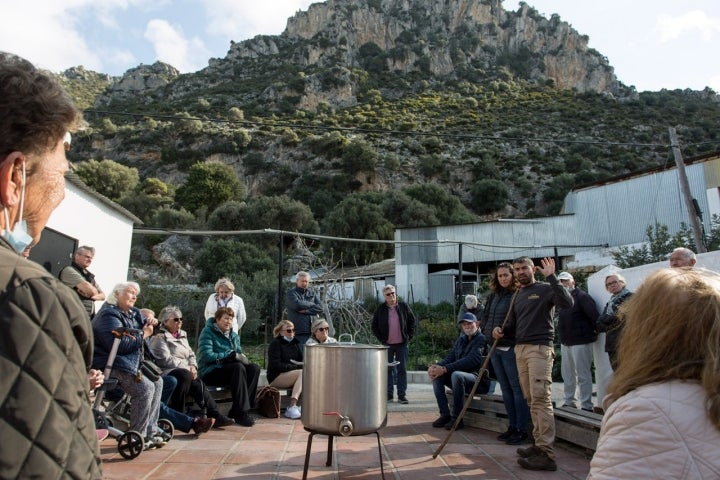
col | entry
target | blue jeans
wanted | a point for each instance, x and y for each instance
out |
(397, 374)
(506, 372)
(169, 384)
(460, 383)
(179, 420)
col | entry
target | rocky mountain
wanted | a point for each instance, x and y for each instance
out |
(375, 95)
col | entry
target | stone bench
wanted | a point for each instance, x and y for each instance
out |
(574, 426)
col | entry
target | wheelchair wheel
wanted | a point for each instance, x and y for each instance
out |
(167, 427)
(130, 444)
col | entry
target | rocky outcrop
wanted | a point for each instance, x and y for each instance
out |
(442, 35)
(140, 80)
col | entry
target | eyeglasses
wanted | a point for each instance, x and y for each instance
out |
(290, 330)
(177, 320)
(390, 294)
(610, 284)
(323, 329)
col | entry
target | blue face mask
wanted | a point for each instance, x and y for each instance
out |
(288, 339)
(18, 237)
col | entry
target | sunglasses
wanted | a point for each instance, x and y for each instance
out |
(290, 330)
(177, 320)
(323, 329)
(390, 294)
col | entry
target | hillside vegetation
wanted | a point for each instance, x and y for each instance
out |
(365, 116)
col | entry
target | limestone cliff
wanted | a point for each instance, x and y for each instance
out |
(442, 36)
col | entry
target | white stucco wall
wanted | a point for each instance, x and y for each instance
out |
(635, 275)
(93, 223)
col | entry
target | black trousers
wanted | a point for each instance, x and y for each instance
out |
(242, 380)
(187, 386)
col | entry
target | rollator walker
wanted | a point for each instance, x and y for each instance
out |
(130, 443)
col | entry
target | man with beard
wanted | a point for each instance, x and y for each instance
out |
(531, 320)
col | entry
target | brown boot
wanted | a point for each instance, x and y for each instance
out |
(202, 424)
(530, 451)
(538, 462)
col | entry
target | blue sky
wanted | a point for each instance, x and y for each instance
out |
(652, 44)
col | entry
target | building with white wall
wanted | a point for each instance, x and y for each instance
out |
(85, 217)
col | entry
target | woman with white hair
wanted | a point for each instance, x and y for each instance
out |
(224, 296)
(320, 333)
(471, 305)
(608, 320)
(119, 311)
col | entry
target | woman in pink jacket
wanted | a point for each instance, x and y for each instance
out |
(662, 415)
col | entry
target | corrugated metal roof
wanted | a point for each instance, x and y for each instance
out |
(619, 213)
(374, 270)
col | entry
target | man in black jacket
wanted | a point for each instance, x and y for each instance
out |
(530, 318)
(576, 328)
(394, 324)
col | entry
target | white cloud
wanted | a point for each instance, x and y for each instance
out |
(240, 20)
(45, 33)
(172, 47)
(672, 27)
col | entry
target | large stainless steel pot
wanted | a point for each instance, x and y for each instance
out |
(344, 388)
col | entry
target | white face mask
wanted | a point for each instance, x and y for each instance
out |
(18, 237)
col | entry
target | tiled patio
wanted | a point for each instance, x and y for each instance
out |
(275, 449)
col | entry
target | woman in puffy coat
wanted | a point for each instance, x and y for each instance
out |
(117, 312)
(222, 363)
(662, 411)
(282, 372)
(173, 354)
(503, 285)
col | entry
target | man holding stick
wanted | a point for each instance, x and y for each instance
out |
(531, 319)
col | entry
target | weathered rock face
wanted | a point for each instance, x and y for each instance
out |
(442, 35)
(443, 38)
(141, 80)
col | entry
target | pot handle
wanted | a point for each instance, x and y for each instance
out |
(349, 335)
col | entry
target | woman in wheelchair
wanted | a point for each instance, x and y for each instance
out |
(222, 363)
(119, 311)
(173, 354)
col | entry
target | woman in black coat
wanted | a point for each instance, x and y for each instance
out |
(281, 371)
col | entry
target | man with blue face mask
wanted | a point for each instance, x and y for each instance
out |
(46, 347)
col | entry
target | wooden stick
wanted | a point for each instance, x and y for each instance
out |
(483, 370)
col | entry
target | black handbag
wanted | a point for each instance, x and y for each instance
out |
(148, 367)
(151, 371)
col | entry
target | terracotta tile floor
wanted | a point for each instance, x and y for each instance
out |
(275, 449)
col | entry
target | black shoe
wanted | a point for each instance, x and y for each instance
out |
(538, 462)
(586, 409)
(504, 436)
(449, 425)
(223, 421)
(245, 420)
(517, 438)
(403, 400)
(390, 398)
(530, 451)
(441, 421)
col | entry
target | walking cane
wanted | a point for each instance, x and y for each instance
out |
(483, 371)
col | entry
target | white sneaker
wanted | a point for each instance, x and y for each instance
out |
(293, 412)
